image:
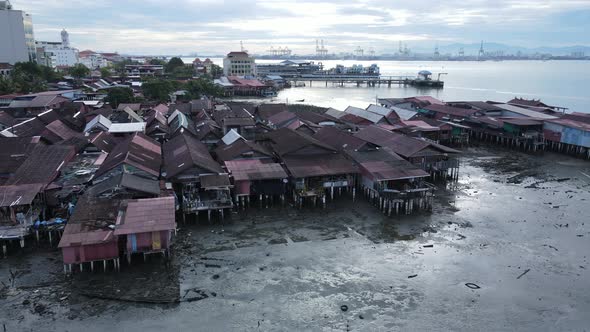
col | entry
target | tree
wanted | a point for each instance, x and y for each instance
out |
(28, 77)
(79, 71)
(203, 86)
(105, 72)
(157, 90)
(216, 71)
(174, 63)
(157, 62)
(116, 96)
(6, 85)
(183, 72)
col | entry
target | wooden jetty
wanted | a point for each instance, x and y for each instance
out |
(368, 80)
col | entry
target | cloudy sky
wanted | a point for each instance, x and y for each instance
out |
(217, 26)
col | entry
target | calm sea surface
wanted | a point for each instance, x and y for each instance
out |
(562, 83)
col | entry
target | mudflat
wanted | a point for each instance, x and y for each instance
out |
(505, 248)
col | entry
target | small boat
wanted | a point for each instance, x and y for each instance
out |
(300, 100)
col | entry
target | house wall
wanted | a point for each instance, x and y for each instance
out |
(87, 253)
(144, 242)
(242, 187)
(576, 137)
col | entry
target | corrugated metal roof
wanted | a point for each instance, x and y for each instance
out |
(385, 165)
(522, 121)
(403, 145)
(571, 123)
(139, 151)
(129, 181)
(339, 139)
(254, 169)
(184, 152)
(383, 111)
(131, 127)
(147, 215)
(231, 137)
(99, 122)
(285, 141)
(334, 113)
(403, 113)
(43, 165)
(58, 128)
(238, 148)
(525, 112)
(373, 117)
(19, 194)
(319, 165)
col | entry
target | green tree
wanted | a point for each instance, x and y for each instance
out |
(183, 72)
(28, 77)
(105, 72)
(116, 96)
(157, 90)
(203, 87)
(174, 63)
(6, 85)
(216, 71)
(79, 71)
(157, 62)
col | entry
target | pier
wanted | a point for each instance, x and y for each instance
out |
(368, 80)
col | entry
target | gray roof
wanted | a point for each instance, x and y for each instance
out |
(98, 121)
(373, 117)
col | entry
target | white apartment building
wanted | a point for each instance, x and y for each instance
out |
(92, 59)
(57, 54)
(17, 42)
(239, 64)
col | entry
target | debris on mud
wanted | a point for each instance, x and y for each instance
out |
(412, 276)
(472, 285)
(522, 274)
(344, 307)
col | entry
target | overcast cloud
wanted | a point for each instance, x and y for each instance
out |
(217, 26)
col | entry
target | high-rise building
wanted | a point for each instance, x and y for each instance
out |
(17, 42)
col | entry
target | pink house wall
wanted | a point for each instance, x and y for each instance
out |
(144, 241)
(93, 252)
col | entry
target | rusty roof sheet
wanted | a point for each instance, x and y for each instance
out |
(265, 111)
(212, 181)
(449, 110)
(319, 165)
(313, 117)
(286, 141)
(43, 165)
(89, 224)
(104, 141)
(137, 150)
(184, 152)
(60, 129)
(281, 118)
(128, 181)
(238, 148)
(238, 122)
(27, 128)
(403, 145)
(338, 139)
(6, 119)
(14, 151)
(255, 169)
(568, 122)
(19, 194)
(147, 215)
(384, 165)
(522, 121)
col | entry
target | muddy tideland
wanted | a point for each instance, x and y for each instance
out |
(506, 248)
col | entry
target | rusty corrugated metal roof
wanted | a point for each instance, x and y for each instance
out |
(147, 215)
